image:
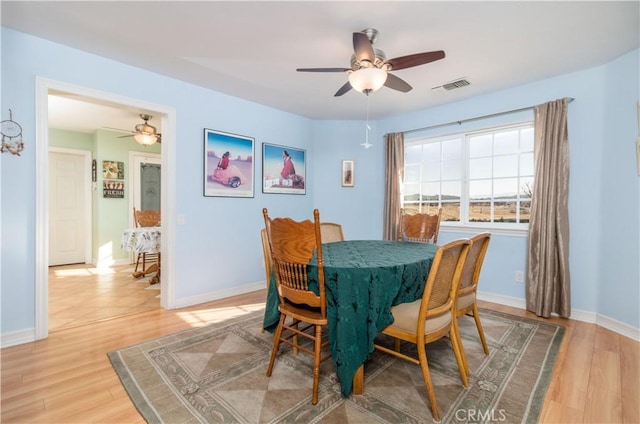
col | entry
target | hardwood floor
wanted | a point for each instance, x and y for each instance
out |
(83, 294)
(67, 378)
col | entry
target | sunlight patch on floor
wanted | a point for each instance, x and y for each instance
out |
(81, 272)
(209, 315)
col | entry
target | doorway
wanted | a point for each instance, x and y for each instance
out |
(167, 115)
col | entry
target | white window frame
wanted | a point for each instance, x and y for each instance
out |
(508, 229)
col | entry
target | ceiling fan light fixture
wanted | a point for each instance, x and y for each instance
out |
(368, 80)
(145, 139)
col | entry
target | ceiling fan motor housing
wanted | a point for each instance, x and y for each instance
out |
(379, 61)
(146, 129)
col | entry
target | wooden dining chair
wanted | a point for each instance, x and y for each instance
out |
(433, 316)
(467, 291)
(331, 232)
(266, 252)
(148, 218)
(420, 227)
(292, 245)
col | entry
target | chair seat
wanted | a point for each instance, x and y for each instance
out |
(302, 313)
(466, 300)
(405, 314)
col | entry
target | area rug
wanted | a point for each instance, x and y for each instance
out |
(216, 374)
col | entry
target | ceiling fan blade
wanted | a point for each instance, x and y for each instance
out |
(363, 48)
(415, 60)
(323, 69)
(124, 136)
(343, 89)
(397, 84)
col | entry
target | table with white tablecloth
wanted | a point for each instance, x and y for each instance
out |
(144, 240)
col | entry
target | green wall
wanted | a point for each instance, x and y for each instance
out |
(110, 216)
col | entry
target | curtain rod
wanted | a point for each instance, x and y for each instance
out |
(462, 121)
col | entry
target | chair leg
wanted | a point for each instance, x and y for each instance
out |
(476, 317)
(317, 350)
(144, 262)
(431, 394)
(294, 338)
(396, 345)
(137, 262)
(276, 344)
(454, 337)
(464, 356)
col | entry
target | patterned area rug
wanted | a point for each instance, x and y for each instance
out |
(216, 374)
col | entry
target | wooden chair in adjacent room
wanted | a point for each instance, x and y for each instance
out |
(420, 227)
(149, 218)
(331, 232)
(433, 316)
(467, 291)
(292, 245)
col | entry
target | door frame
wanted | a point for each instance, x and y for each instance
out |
(86, 163)
(43, 87)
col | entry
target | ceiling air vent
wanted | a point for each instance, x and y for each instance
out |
(461, 82)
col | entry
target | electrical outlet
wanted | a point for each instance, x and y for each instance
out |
(519, 276)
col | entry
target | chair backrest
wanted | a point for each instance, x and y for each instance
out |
(331, 232)
(444, 278)
(473, 264)
(266, 251)
(292, 245)
(421, 227)
(146, 218)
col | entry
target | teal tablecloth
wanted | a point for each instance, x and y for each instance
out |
(363, 279)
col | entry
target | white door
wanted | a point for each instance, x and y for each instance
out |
(68, 236)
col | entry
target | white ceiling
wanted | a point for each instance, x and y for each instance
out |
(251, 49)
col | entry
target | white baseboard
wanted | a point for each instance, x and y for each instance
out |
(515, 302)
(576, 314)
(17, 337)
(111, 262)
(618, 327)
(220, 294)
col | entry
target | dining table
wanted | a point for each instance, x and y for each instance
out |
(144, 240)
(363, 280)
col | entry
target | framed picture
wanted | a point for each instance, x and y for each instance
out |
(283, 169)
(112, 170)
(347, 173)
(113, 189)
(228, 164)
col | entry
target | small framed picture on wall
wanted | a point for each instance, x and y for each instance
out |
(348, 168)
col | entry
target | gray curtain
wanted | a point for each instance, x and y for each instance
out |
(394, 173)
(548, 282)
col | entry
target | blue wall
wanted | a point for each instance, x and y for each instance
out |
(218, 247)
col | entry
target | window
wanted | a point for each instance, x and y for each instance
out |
(480, 178)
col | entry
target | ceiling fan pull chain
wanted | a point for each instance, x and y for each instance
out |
(367, 128)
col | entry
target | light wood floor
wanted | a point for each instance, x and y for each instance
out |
(83, 294)
(67, 378)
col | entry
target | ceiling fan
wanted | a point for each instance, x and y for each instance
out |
(145, 133)
(370, 68)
